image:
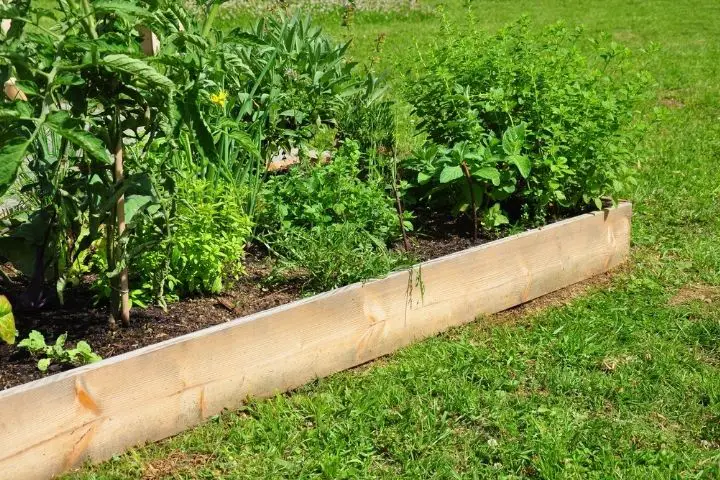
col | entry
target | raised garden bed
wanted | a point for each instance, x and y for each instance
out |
(91, 413)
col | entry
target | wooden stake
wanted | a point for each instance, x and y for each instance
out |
(13, 92)
(122, 283)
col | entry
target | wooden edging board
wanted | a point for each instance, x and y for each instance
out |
(91, 413)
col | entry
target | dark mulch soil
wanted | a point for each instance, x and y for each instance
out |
(82, 321)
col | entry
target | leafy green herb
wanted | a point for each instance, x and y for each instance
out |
(82, 354)
(556, 124)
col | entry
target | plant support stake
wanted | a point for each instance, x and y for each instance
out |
(122, 279)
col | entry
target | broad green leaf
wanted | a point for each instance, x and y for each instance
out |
(83, 347)
(60, 341)
(522, 162)
(193, 117)
(135, 204)
(88, 356)
(488, 173)
(513, 139)
(423, 178)
(11, 157)
(43, 364)
(450, 173)
(7, 321)
(63, 125)
(217, 285)
(35, 342)
(494, 217)
(138, 195)
(138, 69)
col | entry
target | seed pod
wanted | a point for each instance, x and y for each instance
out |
(150, 41)
(13, 92)
(5, 25)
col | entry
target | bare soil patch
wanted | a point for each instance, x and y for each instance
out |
(696, 293)
(175, 463)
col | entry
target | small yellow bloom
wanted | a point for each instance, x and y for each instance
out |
(219, 98)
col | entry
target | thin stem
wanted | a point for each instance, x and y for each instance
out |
(468, 177)
(123, 288)
(398, 202)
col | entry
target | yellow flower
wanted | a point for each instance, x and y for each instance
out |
(219, 98)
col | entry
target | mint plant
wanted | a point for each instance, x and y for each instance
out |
(470, 178)
(564, 118)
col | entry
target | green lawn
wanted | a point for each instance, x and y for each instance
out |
(622, 383)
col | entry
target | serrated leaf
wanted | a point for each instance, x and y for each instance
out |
(11, 157)
(423, 178)
(7, 321)
(127, 9)
(18, 111)
(522, 163)
(450, 173)
(488, 173)
(513, 139)
(66, 127)
(138, 69)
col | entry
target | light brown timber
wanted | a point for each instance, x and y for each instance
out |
(93, 412)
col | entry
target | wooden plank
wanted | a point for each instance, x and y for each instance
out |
(91, 413)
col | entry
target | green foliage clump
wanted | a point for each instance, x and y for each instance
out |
(330, 256)
(82, 354)
(199, 245)
(298, 79)
(313, 195)
(575, 113)
(85, 88)
(328, 222)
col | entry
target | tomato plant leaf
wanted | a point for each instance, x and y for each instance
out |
(137, 68)
(61, 123)
(123, 8)
(11, 157)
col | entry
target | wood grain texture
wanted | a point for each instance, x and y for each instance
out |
(90, 413)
